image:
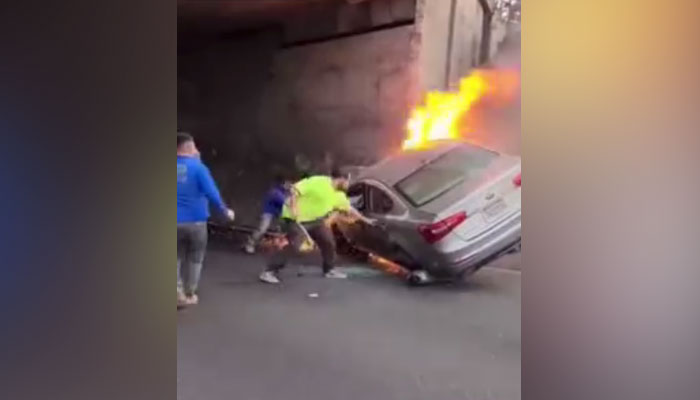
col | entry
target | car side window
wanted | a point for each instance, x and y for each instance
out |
(358, 196)
(380, 202)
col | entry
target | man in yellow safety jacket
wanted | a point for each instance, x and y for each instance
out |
(313, 200)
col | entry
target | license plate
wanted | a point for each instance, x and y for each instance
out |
(495, 208)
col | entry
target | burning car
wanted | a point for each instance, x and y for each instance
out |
(445, 206)
(443, 210)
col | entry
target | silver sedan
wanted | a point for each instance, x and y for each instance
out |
(442, 212)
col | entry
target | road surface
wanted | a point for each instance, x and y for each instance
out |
(369, 337)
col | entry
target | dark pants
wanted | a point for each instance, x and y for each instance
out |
(191, 247)
(319, 231)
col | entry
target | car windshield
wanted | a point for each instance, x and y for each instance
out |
(440, 175)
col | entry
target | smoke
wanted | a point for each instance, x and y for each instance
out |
(508, 55)
(500, 125)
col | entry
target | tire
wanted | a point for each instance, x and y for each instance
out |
(418, 278)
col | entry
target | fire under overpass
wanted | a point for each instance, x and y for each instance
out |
(279, 83)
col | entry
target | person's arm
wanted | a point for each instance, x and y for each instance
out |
(294, 193)
(291, 203)
(276, 200)
(343, 205)
(358, 215)
(208, 186)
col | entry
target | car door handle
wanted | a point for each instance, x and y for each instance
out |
(490, 196)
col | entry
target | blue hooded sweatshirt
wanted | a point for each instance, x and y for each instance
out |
(195, 190)
(274, 201)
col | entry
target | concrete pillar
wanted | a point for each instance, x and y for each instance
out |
(433, 26)
(464, 53)
(451, 34)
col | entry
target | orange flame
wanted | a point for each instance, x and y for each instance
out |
(443, 115)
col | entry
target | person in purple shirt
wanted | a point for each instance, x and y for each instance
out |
(195, 190)
(272, 209)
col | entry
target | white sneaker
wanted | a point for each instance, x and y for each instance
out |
(334, 273)
(181, 299)
(249, 248)
(269, 277)
(192, 300)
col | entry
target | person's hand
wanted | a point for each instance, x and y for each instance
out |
(230, 214)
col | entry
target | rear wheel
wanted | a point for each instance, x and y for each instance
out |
(417, 275)
(419, 278)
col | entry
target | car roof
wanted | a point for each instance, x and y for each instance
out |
(401, 164)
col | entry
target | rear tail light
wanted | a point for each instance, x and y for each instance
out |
(516, 180)
(437, 230)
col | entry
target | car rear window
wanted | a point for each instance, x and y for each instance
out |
(440, 175)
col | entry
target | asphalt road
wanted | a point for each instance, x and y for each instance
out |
(369, 337)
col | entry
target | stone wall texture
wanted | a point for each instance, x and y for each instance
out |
(349, 97)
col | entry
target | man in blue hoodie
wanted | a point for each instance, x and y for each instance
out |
(195, 190)
(272, 210)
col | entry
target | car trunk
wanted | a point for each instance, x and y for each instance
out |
(487, 201)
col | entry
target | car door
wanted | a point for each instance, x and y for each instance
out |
(357, 193)
(374, 201)
(378, 205)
